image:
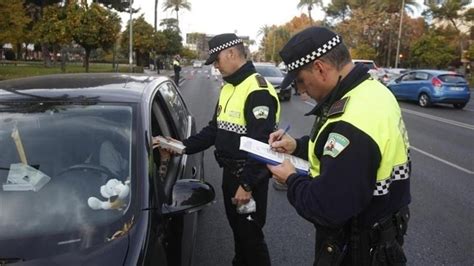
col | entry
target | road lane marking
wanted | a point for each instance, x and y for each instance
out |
(442, 160)
(444, 120)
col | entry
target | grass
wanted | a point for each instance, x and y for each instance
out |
(28, 69)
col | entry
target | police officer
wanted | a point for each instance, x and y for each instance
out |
(358, 188)
(248, 106)
(176, 68)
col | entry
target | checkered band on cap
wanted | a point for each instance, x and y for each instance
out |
(322, 50)
(225, 46)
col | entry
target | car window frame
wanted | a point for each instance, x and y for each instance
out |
(166, 123)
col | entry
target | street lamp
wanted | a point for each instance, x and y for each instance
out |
(399, 32)
(130, 52)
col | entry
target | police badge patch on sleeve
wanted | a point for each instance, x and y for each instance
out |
(335, 144)
(260, 112)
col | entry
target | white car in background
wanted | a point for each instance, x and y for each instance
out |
(374, 71)
(197, 64)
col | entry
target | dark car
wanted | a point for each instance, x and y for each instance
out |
(275, 76)
(431, 86)
(80, 181)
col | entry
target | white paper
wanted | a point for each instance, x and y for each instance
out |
(23, 177)
(264, 151)
(173, 145)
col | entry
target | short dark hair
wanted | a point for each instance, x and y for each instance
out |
(241, 50)
(339, 56)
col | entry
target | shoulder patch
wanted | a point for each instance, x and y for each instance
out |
(335, 144)
(262, 83)
(338, 107)
(260, 112)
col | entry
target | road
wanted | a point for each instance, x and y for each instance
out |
(441, 229)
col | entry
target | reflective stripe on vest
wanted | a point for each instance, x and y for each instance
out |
(373, 109)
(230, 112)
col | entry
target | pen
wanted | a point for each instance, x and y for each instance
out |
(284, 132)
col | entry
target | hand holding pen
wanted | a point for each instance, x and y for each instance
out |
(281, 141)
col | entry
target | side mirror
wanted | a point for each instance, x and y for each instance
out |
(189, 195)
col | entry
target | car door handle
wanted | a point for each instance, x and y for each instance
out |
(193, 171)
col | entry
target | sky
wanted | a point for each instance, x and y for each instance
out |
(244, 17)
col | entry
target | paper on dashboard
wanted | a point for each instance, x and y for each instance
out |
(264, 153)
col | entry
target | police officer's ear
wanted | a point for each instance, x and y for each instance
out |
(321, 67)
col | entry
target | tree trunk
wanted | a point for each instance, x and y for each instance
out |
(86, 61)
(63, 59)
(46, 58)
(18, 51)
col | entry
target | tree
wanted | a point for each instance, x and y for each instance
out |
(309, 4)
(118, 5)
(176, 5)
(170, 24)
(453, 11)
(53, 30)
(363, 51)
(93, 27)
(143, 40)
(13, 22)
(338, 9)
(431, 50)
(35, 8)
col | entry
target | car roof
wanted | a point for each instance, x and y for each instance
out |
(104, 87)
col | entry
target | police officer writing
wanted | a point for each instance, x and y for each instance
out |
(247, 106)
(358, 188)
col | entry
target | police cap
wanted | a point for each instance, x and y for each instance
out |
(221, 42)
(305, 47)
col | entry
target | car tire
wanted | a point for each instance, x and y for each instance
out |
(459, 105)
(424, 100)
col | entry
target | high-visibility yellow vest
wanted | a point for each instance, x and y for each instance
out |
(230, 110)
(373, 109)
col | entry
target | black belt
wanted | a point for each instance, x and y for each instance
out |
(235, 166)
(389, 228)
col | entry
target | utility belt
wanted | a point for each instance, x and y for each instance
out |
(235, 166)
(377, 246)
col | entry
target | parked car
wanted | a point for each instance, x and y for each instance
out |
(432, 86)
(197, 64)
(274, 75)
(81, 183)
(376, 72)
(391, 73)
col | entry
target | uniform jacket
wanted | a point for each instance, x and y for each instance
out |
(347, 189)
(227, 142)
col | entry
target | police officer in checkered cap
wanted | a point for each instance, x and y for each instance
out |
(357, 189)
(247, 106)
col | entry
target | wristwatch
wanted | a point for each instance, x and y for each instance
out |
(246, 187)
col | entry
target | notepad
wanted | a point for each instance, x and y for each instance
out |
(262, 152)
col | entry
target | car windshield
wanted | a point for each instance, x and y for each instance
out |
(269, 71)
(451, 78)
(63, 168)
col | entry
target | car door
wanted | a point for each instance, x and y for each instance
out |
(404, 85)
(170, 117)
